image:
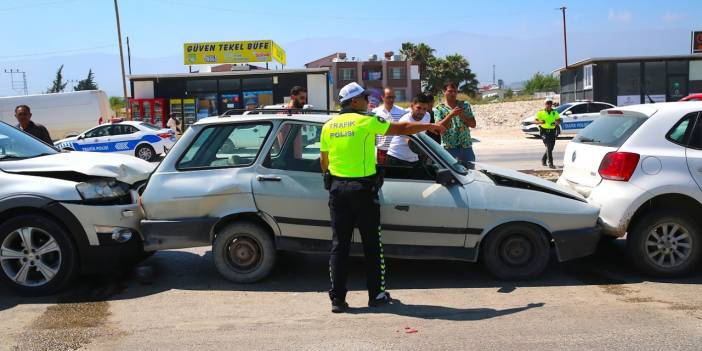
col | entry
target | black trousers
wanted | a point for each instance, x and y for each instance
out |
(354, 203)
(549, 138)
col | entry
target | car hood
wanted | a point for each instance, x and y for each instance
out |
(124, 168)
(507, 177)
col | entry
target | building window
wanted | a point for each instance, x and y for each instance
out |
(400, 95)
(373, 74)
(348, 74)
(587, 77)
(396, 73)
(200, 86)
(628, 83)
(258, 83)
(229, 84)
(654, 81)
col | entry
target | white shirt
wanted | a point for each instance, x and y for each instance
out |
(383, 142)
(399, 146)
(172, 124)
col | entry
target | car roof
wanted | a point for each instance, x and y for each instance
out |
(258, 117)
(679, 107)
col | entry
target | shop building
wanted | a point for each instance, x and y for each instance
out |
(632, 80)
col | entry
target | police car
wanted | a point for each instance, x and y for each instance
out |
(575, 116)
(140, 139)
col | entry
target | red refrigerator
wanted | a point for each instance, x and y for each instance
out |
(154, 111)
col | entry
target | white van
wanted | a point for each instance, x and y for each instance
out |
(63, 114)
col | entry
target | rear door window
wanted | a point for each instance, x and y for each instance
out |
(610, 130)
(296, 148)
(681, 131)
(595, 107)
(578, 109)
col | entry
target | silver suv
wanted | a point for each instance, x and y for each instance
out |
(251, 185)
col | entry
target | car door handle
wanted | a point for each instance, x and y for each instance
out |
(268, 179)
(402, 208)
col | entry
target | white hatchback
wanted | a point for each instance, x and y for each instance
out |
(575, 116)
(642, 165)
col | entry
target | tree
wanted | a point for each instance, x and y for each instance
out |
(421, 53)
(454, 68)
(540, 82)
(88, 83)
(117, 104)
(58, 85)
(509, 93)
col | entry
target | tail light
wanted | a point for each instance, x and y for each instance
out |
(165, 135)
(619, 166)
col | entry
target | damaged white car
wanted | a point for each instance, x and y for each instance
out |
(62, 213)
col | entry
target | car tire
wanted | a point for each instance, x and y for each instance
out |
(516, 251)
(145, 152)
(659, 248)
(244, 252)
(60, 259)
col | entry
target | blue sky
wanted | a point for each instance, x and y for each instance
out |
(74, 32)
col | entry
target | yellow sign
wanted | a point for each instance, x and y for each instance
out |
(232, 52)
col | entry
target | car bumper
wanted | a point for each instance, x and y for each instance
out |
(531, 130)
(177, 234)
(572, 244)
(98, 224)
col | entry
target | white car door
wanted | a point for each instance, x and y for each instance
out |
(693, 152)
(123, 138)
(93, 140)
(574, 119)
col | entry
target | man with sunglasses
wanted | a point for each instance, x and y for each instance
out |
(25, 124)
(548, 120)
(348, 161)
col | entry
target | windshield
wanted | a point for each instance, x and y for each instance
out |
(562, 108)
(609, 130)
(150, 126)
(442, 153)
(15, 144)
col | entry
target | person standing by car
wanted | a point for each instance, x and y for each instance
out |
(457, 139)
(430, 101)
(173, 123)
(348, 162)
(24, 118)
(298, 97)
(399, 153)
(548, 120)
(390, 113)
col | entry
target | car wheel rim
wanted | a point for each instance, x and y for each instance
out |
(516, 250)
(669, 245)
(244, 254)
(145, 153)
(30, 257)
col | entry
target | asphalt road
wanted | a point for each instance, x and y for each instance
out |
(593, 303)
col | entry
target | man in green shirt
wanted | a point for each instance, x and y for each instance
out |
(347, 148)
(456, 140)
(548, 120)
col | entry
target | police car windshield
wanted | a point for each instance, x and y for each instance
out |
(17, 145)
(562, 108)
(149, 126)
(443, 154)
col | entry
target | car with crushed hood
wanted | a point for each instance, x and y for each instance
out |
(63, 213)
(251, 185)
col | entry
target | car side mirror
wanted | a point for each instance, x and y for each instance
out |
(81, 137)
(568, 113)
(445, 177)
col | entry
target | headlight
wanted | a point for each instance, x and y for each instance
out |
(102, 190)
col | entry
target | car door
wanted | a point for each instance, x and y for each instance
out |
(123, 138)
(573, 119)
(416, 211)
(289, 185)
(94, 140)
(693, 151)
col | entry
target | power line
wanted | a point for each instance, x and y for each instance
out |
(57, 52)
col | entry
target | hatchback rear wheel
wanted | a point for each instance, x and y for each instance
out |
(244, 252)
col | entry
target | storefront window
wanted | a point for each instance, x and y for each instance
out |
(254, 99)
(628, 83)
(201, 86)
(205, 105)
(229, 84)
(678, 67)
(654, 82)
(258, 83)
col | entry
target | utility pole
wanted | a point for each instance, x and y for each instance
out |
(129, 57)
(565, 35)
(493, 74)
(121, 54)
(20, 86)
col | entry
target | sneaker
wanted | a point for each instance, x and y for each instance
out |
(551, 166)
(380, 300)
(339, 306)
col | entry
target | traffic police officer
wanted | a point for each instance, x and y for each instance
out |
(349, 166)
(548, 120)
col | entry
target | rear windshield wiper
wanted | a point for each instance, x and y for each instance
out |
(588, 140)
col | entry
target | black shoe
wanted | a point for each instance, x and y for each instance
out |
(339, 306)
(551, 166)
(543, 163)
(385, 300)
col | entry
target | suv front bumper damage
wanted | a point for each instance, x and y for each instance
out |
(576, 243)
